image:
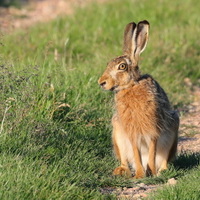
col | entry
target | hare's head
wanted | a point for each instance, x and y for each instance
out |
(123, 71)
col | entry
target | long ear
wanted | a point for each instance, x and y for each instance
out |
(141, 38)
(128, 35)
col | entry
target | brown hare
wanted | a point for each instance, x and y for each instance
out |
(145, 128)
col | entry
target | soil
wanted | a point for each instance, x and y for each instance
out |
(189, 132)
(37, 11)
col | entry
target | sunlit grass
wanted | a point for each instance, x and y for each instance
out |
(55, 130)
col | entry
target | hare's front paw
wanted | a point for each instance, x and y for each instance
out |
(139, 174)
(122, 171)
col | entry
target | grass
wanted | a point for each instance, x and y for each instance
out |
(55, 128)
(182, 190)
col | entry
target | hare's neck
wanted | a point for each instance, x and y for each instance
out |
(135, 94)
(136, 109)
(126, 86)
(135, 100)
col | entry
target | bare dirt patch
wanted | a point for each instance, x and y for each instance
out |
(35, 11)
(139, 191)
(189, 138)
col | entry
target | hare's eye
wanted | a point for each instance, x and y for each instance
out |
(122, 66)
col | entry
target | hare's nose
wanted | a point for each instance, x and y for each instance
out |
(102, 83)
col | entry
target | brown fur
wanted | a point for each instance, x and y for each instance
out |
(131, 104)
(145, 129)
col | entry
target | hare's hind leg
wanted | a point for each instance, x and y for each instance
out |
(174, 129)
(151, 166)
(171, 141)
(166, 152)
(139, 170)
(121, 147)
(170, 156)
(163, 148)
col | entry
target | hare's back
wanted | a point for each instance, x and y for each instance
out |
(157, 91)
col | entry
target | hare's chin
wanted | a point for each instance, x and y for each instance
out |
(111, 89)
(114, 88)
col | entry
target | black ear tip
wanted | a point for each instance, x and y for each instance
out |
(144, 22)
(131, 24)
(129, 29)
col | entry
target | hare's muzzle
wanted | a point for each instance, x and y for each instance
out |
(102, 84)
(106, 82)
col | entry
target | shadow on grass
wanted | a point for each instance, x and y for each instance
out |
(187, 160)
(16, 3)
